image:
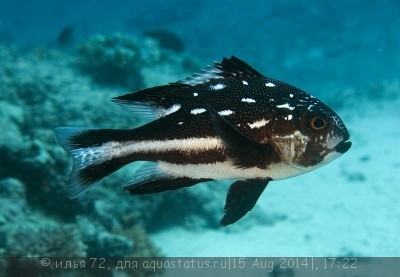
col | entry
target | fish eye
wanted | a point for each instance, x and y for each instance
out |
(318, 123)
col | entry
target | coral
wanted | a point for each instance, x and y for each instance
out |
(11, 138)
(36, 236)
(102, 243)
(7, 54)
(123, 60)
(25, 233)
(143, 246)
(114, 59)
(12, 199)
(43, 238)
(42, 101)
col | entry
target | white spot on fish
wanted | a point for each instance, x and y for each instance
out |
(197, 111)
(269, 84)
(258, 124)
(226, 112)
(291, 95)
(290, 117)
(245, 83)
(285, 106)
(217, 86)
(172, 109)
(180, 123)
(248, 100)
(309, 107)
(195, 94)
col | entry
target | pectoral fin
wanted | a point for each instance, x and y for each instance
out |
(241, 198)
(245, 152)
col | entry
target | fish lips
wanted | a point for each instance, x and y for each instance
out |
(344, 145)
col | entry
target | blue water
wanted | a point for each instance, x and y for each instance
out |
(345, 52)
(335, 42)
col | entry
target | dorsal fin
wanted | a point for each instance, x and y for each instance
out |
(232, 67)
(155, 102)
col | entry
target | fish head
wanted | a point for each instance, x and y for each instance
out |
(308, 133)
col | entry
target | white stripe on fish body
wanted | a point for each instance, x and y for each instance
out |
(121, 149)
(227, 170)
(111, 150)
(216, 171)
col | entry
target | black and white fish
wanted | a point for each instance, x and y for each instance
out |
(228, 122)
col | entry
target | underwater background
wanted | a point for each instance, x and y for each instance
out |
(61, 62)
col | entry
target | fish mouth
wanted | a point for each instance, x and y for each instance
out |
(344, 145)
(340, 148)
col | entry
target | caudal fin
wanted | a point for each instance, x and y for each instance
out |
(92, 155)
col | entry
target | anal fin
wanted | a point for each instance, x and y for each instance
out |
(163, 184)
(149, 180)
(241, 198)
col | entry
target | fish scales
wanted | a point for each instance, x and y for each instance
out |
(227, 122)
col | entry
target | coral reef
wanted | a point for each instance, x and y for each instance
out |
(115, 59)
(12, 197)
(35, 237)
(121, 60)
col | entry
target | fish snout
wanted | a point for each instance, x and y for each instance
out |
(343, 146)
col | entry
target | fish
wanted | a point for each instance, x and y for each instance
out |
(166, 39)
(65, 36)
(228, 122)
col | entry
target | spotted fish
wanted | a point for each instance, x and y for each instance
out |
(227, 122)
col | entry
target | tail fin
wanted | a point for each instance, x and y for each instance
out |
(92, 155)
